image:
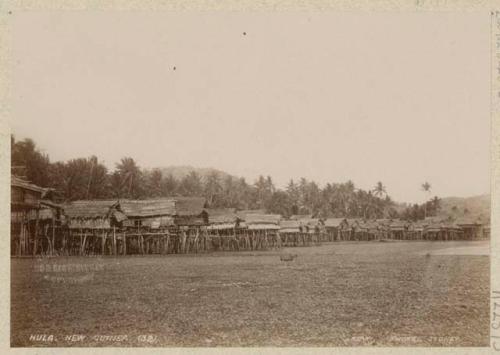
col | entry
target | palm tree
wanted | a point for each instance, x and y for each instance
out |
(213, 188)
(426, 187)
(379, 189)
(153, 183)
(436, 204)
(130, 178)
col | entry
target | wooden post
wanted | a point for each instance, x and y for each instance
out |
(83, 242)
(197, 235)
(53, 236)
(21, 237)
(103, 242)
(183, 241)
(35, 241)
(114, 240)
(124, 243)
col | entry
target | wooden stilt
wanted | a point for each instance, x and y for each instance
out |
(124, 236)
(53, 251)
(103, 243)
(84, 241)
(114, 241)
(35, 237)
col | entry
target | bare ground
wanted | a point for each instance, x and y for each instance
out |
(340, 294)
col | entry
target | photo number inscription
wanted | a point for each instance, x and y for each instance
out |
(495, 320)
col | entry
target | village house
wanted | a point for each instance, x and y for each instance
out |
(93, 214)
(336, 228)
(190, 211)
(151, 213)
(289, 227)
(222, 219)
(24, 203)
(472, 227)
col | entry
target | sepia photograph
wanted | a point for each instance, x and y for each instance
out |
(250, 179)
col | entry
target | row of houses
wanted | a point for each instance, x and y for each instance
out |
(185, 224)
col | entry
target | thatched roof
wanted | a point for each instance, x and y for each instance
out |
(436, 227)
(418, 225)
(368, 225)
(298, 217)
(432, 219)
(243, 213)
(468, 221)
(263, 226)
(310, 222)
(222, 215)
(18, 182)
(289, 224)
(398, 225)
(451, 225)
(90, 209)
(353, 222)
(47, 210)
(178, 206)
(119, 216)
(189, 206)
(383, 221)
(255, 218)
(334, 222)
(51, 204)
(433, 227)
(221, 226)
(148, 208)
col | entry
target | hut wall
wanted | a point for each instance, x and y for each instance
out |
(89, 223)
(190, 220)
(24, 197)
(16, 195)
(150, 222)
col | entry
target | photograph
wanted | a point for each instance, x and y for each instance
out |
(250, 179)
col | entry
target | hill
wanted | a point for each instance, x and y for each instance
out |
(475, 206)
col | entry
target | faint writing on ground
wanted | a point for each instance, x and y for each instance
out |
(69, 279)
(405, 340)
(444, 340)
(67, 268)
(97, 338)
(57, 271)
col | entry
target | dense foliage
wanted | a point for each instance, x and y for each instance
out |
(87, 178)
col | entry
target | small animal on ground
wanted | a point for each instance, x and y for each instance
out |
(288, 257)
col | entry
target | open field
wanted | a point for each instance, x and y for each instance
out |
(339, 294)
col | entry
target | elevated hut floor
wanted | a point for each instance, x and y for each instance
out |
(389, 293)
(55, 240)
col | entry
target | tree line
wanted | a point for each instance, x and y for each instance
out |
(88, 178)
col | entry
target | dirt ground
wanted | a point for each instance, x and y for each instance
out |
(339, 294)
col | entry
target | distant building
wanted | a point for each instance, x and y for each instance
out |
(471, 227)
(223, 219)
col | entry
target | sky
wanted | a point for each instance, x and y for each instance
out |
(398, 98)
